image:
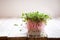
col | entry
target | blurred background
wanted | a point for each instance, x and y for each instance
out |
(14, 8)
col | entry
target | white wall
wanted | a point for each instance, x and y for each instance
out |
(14, 8)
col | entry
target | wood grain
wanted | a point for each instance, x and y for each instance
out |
(25, 38)
(3, 38)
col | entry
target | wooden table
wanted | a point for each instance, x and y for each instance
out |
(3, 38)
(25, 38)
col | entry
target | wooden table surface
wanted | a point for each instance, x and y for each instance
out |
(25, 38)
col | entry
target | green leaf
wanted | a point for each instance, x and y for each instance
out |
(15, 24)
(35, 16)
